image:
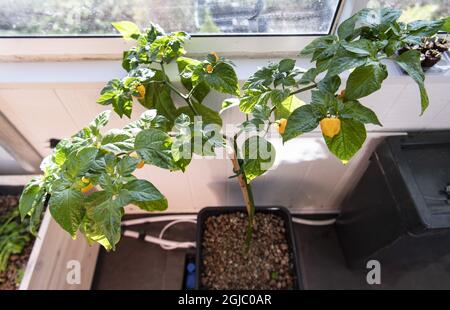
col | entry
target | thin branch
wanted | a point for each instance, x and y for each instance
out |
(186, 98)
(301, 90)
(244, 186)
(168, 83)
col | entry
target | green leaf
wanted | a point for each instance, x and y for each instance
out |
(347, 27)
(185, 68)
(146, 196)
(325, 53)
(157, 96)
(208, 115)
(330, 85)
(223, 78)
(182, 146)
(99, 122)
(110, 92)
(349, 140)
(123, 105)
(289, 105)
(253, 98)
(302, 120)
(361, 47)
(259, 156)
(127, 165)
(277, 96)
(344, 60)
(117, 141)
(108, 183)
(229, 104)
(36, 212)
(67, 208)
(148, 119)
(446, 25)
(127, 29)
(106, 212)
(106, 98)
(29, 195)
(263, 77)
(154, 146)
(392, 47)
(319, 43)
(365, 17)
(389, 15)
(286, 65)
(355, 110)
(62, 151)
(425, 28)
(105, 163)
(262, 112)
(93, 233)
(80, 161)
(308, 77)
(323, 65)
(168, 47)
(410, 62)
(365, 80)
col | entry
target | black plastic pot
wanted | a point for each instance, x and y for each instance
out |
(426, 62)
(429, 62)
(279, 211)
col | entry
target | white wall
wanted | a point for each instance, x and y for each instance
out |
(54, 100)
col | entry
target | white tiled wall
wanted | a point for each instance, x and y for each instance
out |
(307, 177)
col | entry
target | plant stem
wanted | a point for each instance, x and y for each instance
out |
(246, 192)
(186, 98)
(301, 90)
(242, 179)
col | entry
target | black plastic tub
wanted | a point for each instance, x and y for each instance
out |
(279, 211)
(12, 190)
(399, 213)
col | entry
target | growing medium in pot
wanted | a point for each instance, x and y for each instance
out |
(226, 262)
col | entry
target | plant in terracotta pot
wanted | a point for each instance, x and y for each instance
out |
(89, 178)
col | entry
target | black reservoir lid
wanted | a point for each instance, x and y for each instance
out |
(417, 169)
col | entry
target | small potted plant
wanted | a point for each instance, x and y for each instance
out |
(431, 50)
(88, 180)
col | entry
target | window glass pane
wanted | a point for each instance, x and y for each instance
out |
(415, 9)
(93, 17)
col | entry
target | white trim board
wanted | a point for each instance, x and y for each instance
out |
(47, 267)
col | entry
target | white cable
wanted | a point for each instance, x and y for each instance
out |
(162, 218)
(313, 222)
(165, 244)
(175, 219)
(161, 242)
(161, 234)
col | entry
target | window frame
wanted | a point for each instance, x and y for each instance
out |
(194, 35)
(110, 47)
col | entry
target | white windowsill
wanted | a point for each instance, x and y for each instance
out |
(16, 74)
(111, 48)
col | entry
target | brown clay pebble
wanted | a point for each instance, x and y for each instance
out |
(227, 264)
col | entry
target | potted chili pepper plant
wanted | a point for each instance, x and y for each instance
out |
(89, 178)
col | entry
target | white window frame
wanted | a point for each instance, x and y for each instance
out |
(111, 48)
